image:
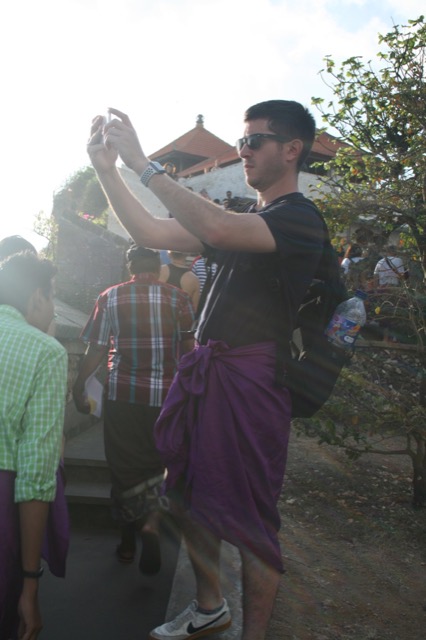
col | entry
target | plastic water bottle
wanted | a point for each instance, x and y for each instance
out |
(347, 321)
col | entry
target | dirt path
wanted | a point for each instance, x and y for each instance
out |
(353, 547)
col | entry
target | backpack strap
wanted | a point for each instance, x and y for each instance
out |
(284, 343)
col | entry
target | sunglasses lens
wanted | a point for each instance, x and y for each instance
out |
(254, 142)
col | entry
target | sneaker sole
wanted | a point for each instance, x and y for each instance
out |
(200, 634)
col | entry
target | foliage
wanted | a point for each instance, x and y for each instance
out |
(46, 227)
(401, 312)
(375, 406)
(82, 195)
(378, 176)
(380, 170)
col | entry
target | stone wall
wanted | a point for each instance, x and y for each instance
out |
(89, 259)
(69, 323)
(221, 180)
(218, 181)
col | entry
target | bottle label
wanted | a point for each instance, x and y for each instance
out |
(342, 332)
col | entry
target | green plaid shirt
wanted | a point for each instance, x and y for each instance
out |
(33, 377)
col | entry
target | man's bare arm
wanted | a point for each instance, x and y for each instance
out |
(144, 228)
(92, 359)
(191, 284)
(32, 518)
(202, 219)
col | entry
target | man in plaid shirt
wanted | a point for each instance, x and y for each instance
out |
(139, 324)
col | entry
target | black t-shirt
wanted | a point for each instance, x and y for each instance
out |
(175, 274)
(243, 305)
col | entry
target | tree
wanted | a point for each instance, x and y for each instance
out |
(381, 116)
(379, 174)
(377, 407)
(82, 195)
(46, 227)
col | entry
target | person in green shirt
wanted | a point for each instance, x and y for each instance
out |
(33, 379)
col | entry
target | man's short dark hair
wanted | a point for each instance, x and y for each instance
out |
(21, 275)
(14, 244)
(143, 260)
(286, 118)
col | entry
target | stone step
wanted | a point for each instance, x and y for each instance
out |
(87, 445)
(86, 471)
(88, 492)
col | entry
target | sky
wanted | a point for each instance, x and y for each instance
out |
(162, 62)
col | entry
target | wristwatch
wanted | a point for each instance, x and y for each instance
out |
(152, 169)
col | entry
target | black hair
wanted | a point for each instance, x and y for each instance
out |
(14, 244)
(286, 118)
(145, 264)
(355, 251)
(21, 274)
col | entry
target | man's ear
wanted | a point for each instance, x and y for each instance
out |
(34, 306)
(294, 149)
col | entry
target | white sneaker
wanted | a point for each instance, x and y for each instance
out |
(193, 624)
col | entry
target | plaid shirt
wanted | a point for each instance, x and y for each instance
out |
(141, 321)
(33, 378)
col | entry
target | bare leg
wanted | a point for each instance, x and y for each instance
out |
(260, 585)
(204, 553)
(152, 522)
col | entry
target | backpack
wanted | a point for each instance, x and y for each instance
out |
(309, 364)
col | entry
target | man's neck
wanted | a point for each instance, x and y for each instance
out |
(281, 188)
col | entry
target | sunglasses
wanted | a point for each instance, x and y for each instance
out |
(255, 140)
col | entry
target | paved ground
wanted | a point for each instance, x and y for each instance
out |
(101, 599)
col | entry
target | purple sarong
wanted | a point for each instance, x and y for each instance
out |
(224, 428)
(55, 547)
(57, 536)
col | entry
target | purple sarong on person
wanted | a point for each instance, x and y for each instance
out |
(55, 547)
(224, 428)
(57, 536)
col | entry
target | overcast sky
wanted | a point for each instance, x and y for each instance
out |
(163, 62)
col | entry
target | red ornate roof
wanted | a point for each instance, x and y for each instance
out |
(197, 142)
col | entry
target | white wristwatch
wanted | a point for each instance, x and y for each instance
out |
(152, 169)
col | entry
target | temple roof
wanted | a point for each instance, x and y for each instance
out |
(192, 147)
